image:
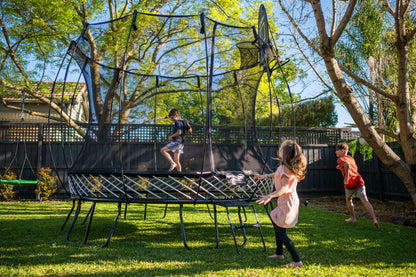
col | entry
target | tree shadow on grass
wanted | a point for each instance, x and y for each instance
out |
(137, 242)
(154, 246)
(332, 241)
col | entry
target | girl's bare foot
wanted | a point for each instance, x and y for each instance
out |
(294, 264)
(172, 167)
(351, 220)
(276, 256)
(376, 225)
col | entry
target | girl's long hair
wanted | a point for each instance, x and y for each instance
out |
(293, 158)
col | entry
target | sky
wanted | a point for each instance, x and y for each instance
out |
(343, 117)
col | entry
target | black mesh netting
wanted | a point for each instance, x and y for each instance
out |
(139, 59)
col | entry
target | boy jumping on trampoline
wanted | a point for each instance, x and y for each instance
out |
(285, 215)
(353, 183)
(177, 140)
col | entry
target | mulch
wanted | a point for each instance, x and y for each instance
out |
(389, 211)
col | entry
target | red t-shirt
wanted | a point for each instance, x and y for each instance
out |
(354, 178)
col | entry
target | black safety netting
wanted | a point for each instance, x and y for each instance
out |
(133, 66)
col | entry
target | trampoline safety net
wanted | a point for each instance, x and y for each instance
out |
(206, 64)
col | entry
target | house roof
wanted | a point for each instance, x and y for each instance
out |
(72, 90)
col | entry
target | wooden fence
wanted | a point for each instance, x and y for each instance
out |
(27, 144)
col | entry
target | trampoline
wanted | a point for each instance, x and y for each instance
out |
(209, 65)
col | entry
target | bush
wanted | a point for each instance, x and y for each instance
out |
(6, 190)
(47, 184)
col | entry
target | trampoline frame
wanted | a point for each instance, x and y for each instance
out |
(255, 188)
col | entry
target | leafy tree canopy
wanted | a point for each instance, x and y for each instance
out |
(36, 34)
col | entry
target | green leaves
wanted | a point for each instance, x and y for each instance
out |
(316, 113)
(361, 145)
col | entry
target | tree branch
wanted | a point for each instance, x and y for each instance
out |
(389, 134)
(26, 111)
(388, 7)
(334, 18)
(220, 8)
(368, 84)
(45, 100)
(312, 66)
(404, 9)
(297, 28)
(344, 21)
(12, 53)
(320, 23)
(312, 98)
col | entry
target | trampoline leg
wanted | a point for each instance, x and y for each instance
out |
(166, 209)
(145, 211)
(243, 230)
(232, 230)
(242, 205)
(86, 217)
(74, 220)
(209, 211)
(217, 237)
(183, 227)
(261, 232)
(69, 215)
(125, 211)
(245, 215)
(110, 235)
(91, 213)
(266, 207)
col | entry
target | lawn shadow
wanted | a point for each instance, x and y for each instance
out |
(154, 240)
(332, 241)
(155, 247)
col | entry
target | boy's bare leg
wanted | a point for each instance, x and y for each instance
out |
(370, 210)
(176, 157)
(164, 151)
(350, 206)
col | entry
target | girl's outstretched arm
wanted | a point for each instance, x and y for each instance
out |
(282, 190)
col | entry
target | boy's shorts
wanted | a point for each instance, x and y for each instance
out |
(175, 147)
(358, 192)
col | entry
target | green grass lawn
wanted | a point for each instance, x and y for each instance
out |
(31, 244)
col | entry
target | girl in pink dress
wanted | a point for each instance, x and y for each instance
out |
(285, 215)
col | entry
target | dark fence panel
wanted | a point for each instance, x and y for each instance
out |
(322, 178)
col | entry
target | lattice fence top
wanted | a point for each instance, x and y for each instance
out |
(138, 133)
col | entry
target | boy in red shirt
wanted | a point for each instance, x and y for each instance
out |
(353, 183)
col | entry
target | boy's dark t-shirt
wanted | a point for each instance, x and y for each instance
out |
(183, 126)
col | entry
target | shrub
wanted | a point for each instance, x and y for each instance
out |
(47, 184)
(94, 185)
(6, 190)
